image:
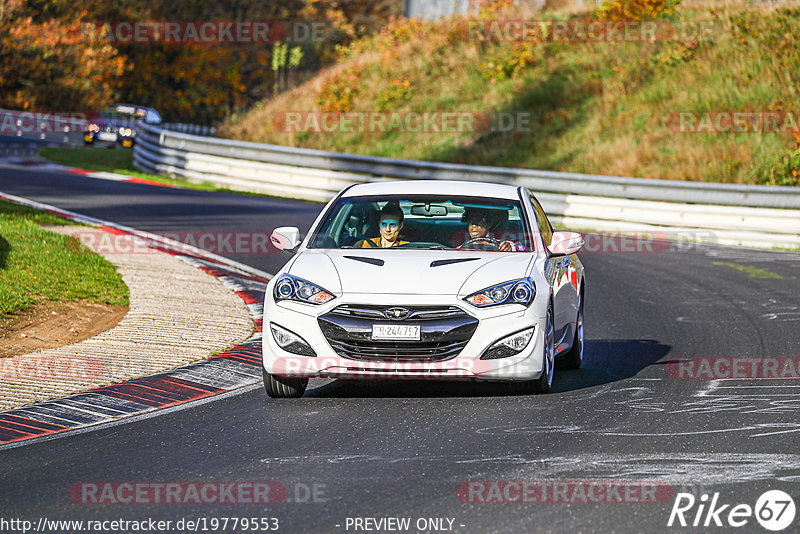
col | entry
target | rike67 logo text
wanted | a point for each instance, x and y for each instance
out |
(774, 510)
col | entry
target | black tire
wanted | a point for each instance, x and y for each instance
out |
(284, 388)
(544, 383)
(573, 358)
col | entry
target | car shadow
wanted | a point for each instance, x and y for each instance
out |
(605, 361)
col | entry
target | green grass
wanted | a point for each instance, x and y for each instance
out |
(120, 161)
(36, 265)
(116, 160)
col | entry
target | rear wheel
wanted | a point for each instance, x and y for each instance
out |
(281, 388)
(574, 357)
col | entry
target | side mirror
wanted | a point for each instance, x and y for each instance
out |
(564, 243)
(285, 237)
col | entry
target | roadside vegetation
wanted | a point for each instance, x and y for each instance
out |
(595, 107)
(66, 56)
(37, 265)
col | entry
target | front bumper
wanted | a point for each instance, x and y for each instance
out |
(475, 331)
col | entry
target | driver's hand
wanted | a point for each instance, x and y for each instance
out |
(506, 246)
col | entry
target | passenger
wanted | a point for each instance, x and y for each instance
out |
(479, 225)
(391, 222)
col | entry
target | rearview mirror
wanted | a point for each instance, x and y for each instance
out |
(429, 210)
(285, 237)
(564, 243)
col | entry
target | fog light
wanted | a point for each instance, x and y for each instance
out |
(509, 346)
(290, 342)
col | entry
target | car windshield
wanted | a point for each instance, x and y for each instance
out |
(120, 117)
(427, 222)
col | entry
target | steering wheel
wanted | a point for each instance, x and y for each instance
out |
(480, 243)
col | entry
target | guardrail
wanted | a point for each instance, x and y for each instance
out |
(53, 129)
(192, 129)
(762, 216)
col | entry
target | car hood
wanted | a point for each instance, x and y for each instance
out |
(408, 271)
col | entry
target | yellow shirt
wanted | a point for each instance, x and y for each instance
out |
(375, 242)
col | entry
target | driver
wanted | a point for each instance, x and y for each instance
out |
(479, 222)
(391, 222)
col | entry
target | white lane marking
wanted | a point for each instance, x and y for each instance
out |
(219, 373)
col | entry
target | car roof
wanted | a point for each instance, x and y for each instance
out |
(435, 187)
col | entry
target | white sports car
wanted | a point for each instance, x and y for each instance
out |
(425, 279)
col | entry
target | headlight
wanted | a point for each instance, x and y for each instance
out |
(125, 132)
(293, 288)
(94, 127)
(519, 291)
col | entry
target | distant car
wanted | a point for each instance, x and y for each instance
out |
(119, 125)
(439, 303)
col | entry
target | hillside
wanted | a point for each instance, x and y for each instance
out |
(601, 107)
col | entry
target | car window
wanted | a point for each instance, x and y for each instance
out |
(427, 222)
(545, 228)
(152, 117)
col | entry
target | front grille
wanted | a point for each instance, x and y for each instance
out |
(444, 332)
(397, 350)
(418, 313)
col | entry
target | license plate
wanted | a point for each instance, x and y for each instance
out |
(107, 136)
(395, 331)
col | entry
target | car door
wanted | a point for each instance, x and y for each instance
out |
(564, 279)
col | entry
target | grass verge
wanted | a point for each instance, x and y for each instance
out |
(120, 161)
(36, 264)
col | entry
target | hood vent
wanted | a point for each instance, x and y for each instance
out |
(437, 263)
(374, 261)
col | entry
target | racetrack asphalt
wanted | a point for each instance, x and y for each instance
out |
(403, 449)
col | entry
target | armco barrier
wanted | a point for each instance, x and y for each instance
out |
(760, 216)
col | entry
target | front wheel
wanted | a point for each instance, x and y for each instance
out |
(283, 388)
(544, 383)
